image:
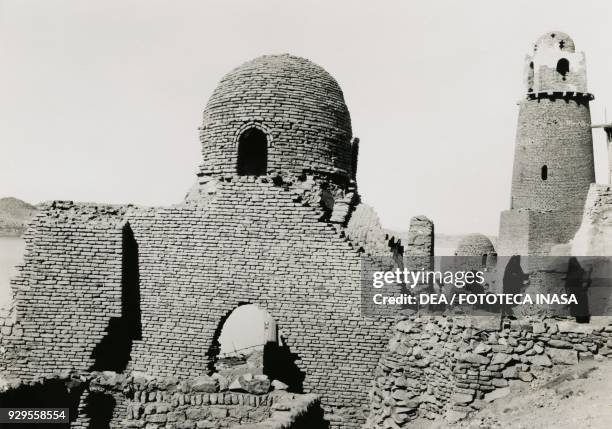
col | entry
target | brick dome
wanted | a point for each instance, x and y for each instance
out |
(555, 40)
(281, 112)
(474, 245)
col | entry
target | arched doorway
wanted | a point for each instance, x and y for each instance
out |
(249, 341)
(252, 153)
(243, 336)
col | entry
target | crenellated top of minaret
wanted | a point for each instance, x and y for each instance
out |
(555, 66)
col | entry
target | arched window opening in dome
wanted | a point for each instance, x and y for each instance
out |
(544, 172)
(252, 153)
(563, 67)
(561, 44)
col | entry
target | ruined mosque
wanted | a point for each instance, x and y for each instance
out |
(118, 309)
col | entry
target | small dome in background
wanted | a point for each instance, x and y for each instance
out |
(474, 245)
(555, 40)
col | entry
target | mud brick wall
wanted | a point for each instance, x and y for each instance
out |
(68, 287)
(420, 240)
(555, 132)
(534, 232)
(264, 240)
(296, 103)
(11, 338)
(553, 156)
(252, 243)
(452, 366)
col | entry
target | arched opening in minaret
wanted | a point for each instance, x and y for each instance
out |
(563, 67)
(544, 172)
(252, 153)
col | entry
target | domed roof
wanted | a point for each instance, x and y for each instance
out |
(295, 102)
(474, 245)
(555, 40)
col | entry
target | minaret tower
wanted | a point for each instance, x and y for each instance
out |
(553, 158)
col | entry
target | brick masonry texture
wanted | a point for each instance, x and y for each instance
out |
(68, 287)
(553, 158)
(278, 240)
(451, 366)
(555, 133)
(198, 262)
(156, 283)
(474, 245)
(298, 105)
(420, 240)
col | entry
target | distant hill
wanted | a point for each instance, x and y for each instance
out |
(14, 214)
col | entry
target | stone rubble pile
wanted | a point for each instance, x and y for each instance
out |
(452, 366)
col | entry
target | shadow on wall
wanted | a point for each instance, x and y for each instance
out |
(99, 408)
(514, 281)
(112, 353)
(279, 363)
(48, 394)
(577, 282)
(314, 419)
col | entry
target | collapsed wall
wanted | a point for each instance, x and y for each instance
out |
(136, 400)
(123, 289)
(593, 236)
(127, 289)
(451, 366)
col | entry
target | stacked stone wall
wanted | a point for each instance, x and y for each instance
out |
(451, 366)
(135, 400)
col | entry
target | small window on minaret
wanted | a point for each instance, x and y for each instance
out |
(563, 67)
(544, 172)
(252, 153)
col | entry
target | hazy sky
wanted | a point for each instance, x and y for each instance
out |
(101, 100)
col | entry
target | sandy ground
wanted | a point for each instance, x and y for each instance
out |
(576, 397)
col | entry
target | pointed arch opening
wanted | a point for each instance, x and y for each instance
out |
(252, 153)
(563, 67)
